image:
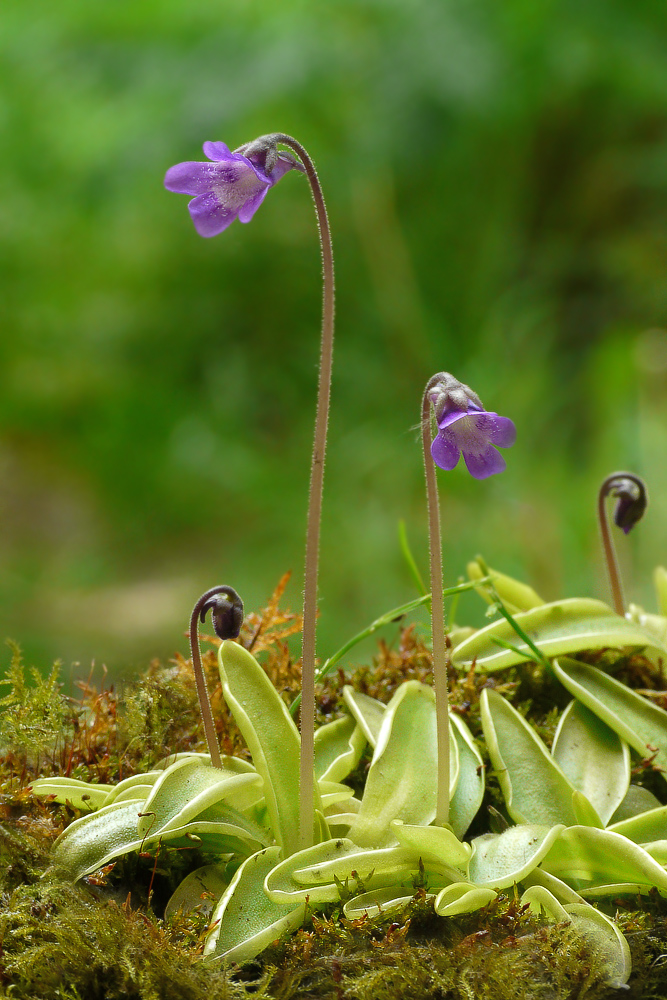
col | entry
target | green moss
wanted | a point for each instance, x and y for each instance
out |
(60, 942)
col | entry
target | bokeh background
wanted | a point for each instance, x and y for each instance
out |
(496, 175)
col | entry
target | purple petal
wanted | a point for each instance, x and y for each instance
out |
(219, 151)
(283, 164)
(451, 417)
(445, 452)
(209, 216)
(500, 430)
(248, 209)
(190, 177)
(486, 464)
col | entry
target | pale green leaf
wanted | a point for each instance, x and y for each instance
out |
(604, 860)
(368, 712)
(382, 901)
(246, 920)
(338, 748)
(469, 792)
(535, 789)
(559, 628)
(654, 625)
(92, 841)
(462, 897)
(271, 736)
(402, 779)
(333, 792)
(540, 899)
(515, 595)
(593, 757)
(561, 890)
(434, 844)
(603, 937)
(318, 872)
(121, 790)
(195, 890)
(660, 584)
(637, 721)
(188, 788)
(637, 800)
(72, 791)
(501, 859)
(644, 828)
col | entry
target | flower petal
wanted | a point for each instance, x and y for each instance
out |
(445, 452)
(219, 151)
(451, 416)
(190, 177)
(283, 164)
(500, 430)
(484, 464)
(209, 216)
(248, 208)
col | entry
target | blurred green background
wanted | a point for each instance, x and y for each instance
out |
(496, 175)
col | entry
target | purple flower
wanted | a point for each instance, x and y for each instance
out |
(465, 426)
(232, 186)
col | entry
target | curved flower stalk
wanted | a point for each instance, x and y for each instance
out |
(233, 185)
(227, 614)
(463, 426)
(632, 500)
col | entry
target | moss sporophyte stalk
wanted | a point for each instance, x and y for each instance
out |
(461, 814)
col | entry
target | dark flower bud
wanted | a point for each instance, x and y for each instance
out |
(226, 609)
(632, 499)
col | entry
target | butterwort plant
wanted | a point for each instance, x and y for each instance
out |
(232, 185)
(464, 426)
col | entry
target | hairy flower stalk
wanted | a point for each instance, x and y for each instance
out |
(233, 186)
(463, 426)
(308, 649)
(227, 615)
(632, 501)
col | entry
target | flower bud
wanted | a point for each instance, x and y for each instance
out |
(632, 499)
(226, 610)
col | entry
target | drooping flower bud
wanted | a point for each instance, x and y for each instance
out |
(226, 609)
(632, 499)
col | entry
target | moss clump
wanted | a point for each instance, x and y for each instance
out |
(499, 952)
(60, 942)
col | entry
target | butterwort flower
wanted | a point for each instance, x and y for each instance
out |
(465, 426)
(233, 185)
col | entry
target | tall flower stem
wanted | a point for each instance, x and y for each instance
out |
(227, 610)
(632, 501)
(437, 611)
(307, 717)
